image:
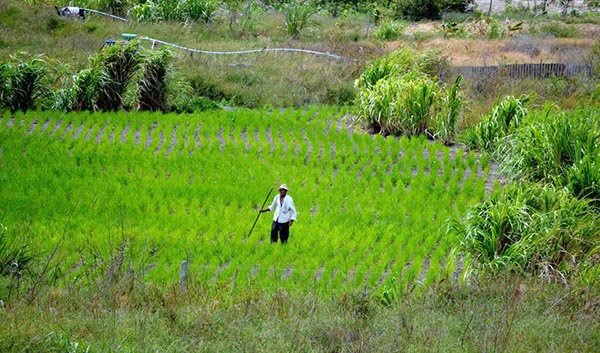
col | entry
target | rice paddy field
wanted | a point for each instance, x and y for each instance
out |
(152, 190)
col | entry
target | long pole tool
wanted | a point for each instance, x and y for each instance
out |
(258, 215)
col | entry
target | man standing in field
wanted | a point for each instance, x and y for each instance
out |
(284, 216)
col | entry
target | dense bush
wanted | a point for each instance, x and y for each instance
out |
(296, 16)
(22, 83)
(174, 10)
(531, 228)
(389, 30)
(549, 223)
(398, 94)
(415, 10)
(504, 119)
(559, 149)
(117, 65)
(152, 88)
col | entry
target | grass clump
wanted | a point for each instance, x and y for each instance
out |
(560, 149)
(503, 120)
(389, 30)
(22, 83)
(548, 225)
(398, 95)
(530, 228)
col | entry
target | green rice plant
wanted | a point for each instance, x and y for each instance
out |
(152, 87)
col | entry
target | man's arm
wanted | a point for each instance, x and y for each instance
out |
(271, 206)
(293, 208)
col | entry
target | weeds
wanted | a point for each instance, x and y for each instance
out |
(118, 65)
(152, 88)
(22, 83)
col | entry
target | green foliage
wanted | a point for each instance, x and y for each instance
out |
(152, 88)
(415, 10)
(184, 98)
(22, 83)
(81, 94)
(5, 85)
(296, 16)
(15, 258)
(561, 149)
(557, 30)
(451, 113)
(398, 95)
(389, 30)
(199, 10)
(174, 10)
(456, 5)
(117, 64)
(504, 119)
(402, 105)
(530, 228)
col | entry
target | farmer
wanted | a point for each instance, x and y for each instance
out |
(284, 216)
(70, 11)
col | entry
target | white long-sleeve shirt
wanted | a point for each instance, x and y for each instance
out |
(284, 211)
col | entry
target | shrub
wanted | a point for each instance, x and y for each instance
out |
(296, 16)
(561, 149)
(5, 86)
(398, 94)
(185, 100)
(451, 112)
(503, 120)
(530, 228)
(117, 65)
(415, 10)
(559, 30)
(202, 10)
(401, 62)
(152, 88)
(389, 30)
(402, 105)
(22, 83)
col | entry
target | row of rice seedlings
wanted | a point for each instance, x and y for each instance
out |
(165, 209)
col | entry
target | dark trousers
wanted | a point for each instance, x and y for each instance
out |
(281, 229)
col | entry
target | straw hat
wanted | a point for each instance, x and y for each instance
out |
(283, 186)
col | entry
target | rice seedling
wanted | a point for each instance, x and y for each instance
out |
(190, 206)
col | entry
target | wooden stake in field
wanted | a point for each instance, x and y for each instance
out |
(258, 215)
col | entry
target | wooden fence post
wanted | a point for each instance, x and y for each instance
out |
(183, 274)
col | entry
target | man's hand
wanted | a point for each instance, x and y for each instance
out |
(291, 222)
(264, 210)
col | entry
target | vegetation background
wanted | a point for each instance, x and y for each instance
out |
(512, 304)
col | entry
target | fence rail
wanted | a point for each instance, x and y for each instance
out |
(541, 70)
